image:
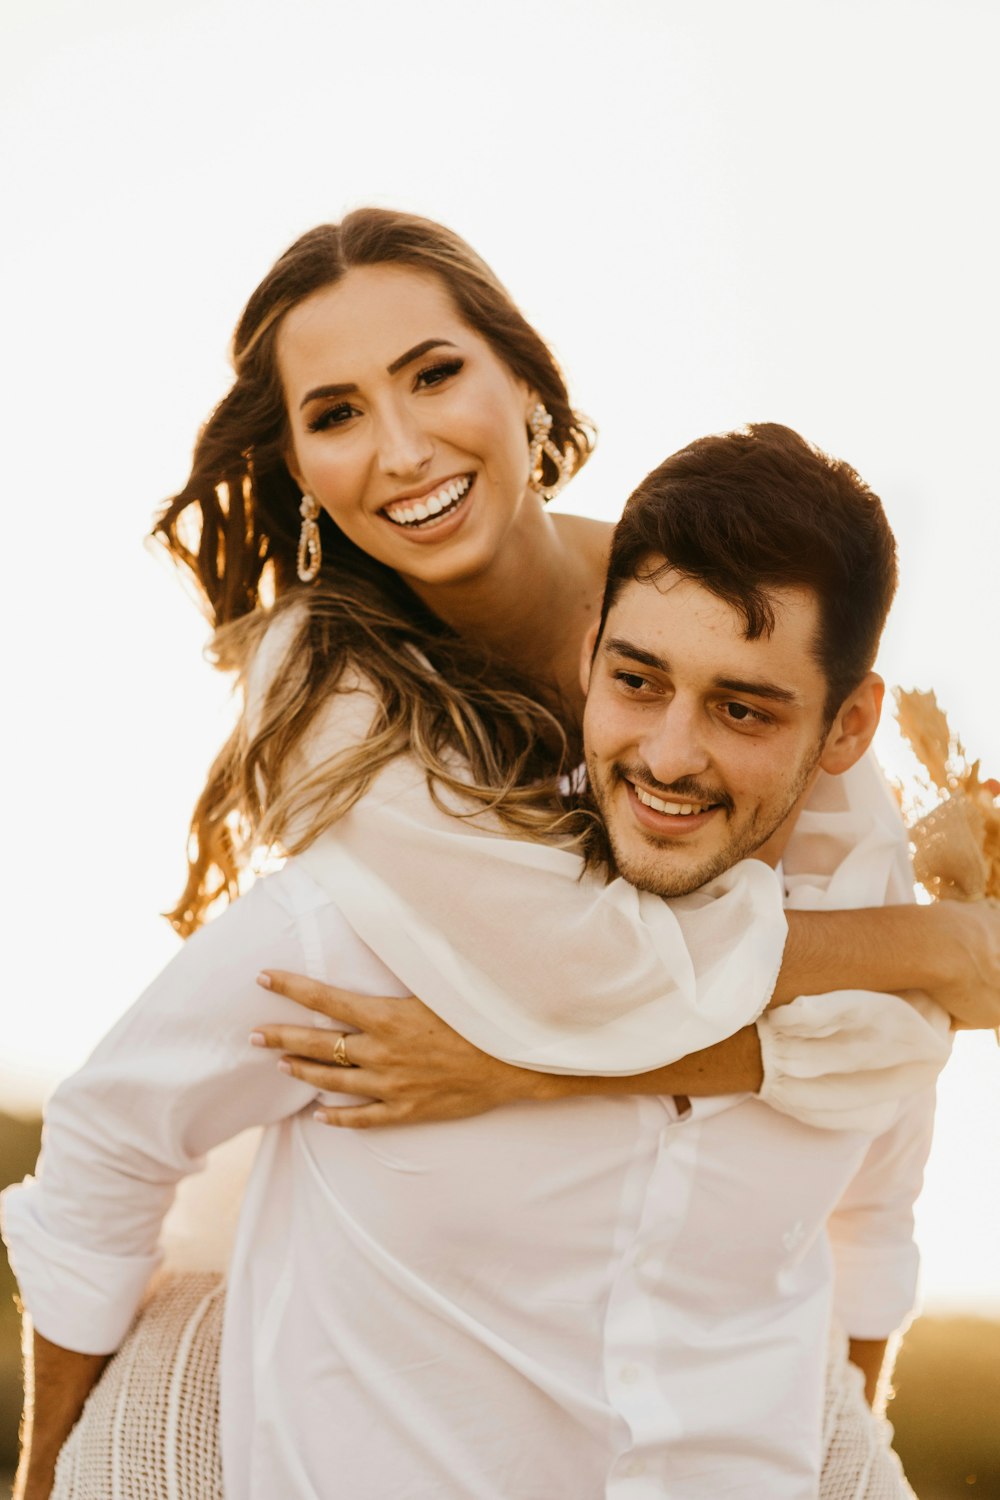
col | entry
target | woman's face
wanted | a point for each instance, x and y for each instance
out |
(405, 426)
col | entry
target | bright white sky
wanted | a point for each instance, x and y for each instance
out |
(716, 213)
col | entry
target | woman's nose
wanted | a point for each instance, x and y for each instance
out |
(404, 446)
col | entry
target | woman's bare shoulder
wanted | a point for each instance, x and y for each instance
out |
(586, 534)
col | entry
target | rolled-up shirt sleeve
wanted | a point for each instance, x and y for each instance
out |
(871, 1230)
(175, 1077)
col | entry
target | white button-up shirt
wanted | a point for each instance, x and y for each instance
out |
(593, 1298)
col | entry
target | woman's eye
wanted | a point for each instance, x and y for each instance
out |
(334, 416)
(435, 374)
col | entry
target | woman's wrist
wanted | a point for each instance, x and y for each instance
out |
(950, 950)
(882, 948)
(732, 1066)
(529, 1086)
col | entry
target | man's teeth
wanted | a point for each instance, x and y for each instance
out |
(412, 512)
(677, 809)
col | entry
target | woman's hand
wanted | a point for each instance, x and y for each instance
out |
(403, 1057)
(970, 985)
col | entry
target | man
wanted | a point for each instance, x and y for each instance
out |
(542, 1303)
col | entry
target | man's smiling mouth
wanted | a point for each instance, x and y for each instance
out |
(676, 809)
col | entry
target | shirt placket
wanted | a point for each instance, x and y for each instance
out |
(634, 1379)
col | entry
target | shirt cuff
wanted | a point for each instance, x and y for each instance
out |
(79, 1299)
(847, 1060)
(876, 1288)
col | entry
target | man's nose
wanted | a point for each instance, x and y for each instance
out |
(674, 746)
(404, 446)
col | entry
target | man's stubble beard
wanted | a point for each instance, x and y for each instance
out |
(655, 876)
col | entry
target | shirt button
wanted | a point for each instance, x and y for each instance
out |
(794, 1237)
(635, 1467)
(630, 1374)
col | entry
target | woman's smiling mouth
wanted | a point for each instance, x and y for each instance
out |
(428, 510)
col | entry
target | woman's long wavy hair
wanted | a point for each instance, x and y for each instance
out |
(234, 529)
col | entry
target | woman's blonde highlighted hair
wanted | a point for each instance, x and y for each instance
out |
(234, 529)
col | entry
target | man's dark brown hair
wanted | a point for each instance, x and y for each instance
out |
(747, 512)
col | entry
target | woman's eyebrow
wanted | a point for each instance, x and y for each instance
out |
(416, 352)
(324, 392)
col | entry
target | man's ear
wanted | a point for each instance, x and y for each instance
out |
(852, 730)
(587, 657)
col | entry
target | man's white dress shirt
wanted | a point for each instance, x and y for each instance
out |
(592, 1298)
(588, 1299)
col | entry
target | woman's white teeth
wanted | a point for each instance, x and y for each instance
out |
(415, 511)
(676, 809)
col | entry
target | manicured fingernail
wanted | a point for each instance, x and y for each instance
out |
(258, 1039)
(284, 1067)
(320, 1115)
(264, 980)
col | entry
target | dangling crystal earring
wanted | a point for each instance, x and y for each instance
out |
(542, 446)
(310, 553)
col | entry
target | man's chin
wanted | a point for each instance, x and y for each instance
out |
(667, 875)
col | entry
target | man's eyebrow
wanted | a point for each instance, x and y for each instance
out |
(619, 647)
(751, 687)
(757, 688)
(325, 392)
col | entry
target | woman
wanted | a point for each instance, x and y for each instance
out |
(414, 441)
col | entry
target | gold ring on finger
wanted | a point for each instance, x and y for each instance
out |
(340, 1056)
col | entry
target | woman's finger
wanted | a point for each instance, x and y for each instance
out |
(326, 999)
(332, 1079)
(300, 1041)
(356, 1116)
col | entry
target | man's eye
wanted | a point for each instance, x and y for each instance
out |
(435, 374)
(741, 713)
(633, 681)
(334, 416)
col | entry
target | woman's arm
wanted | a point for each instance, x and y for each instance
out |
(562, 972)
(822, 1066)
(950, 950)
(417, 1068)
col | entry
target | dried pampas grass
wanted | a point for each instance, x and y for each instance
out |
(956, 844)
